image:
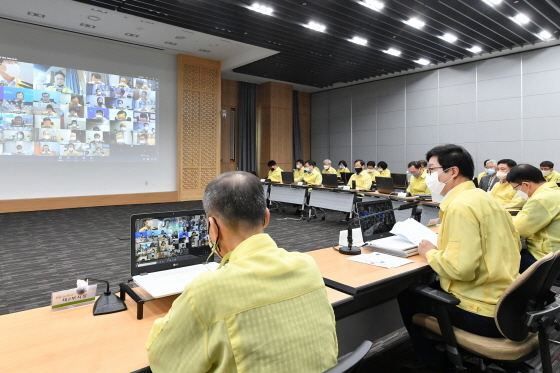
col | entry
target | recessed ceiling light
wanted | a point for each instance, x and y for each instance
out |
(131, 35)
(372, 4)
(544, 35)
(422, 61)
(492, 2)
(475, 49)
(35, 14)
(393, 52)
(358, 40)
(415, 22)
(86, 25)
(449, 37)
(261, 9)
(316, 26)
(521, 19)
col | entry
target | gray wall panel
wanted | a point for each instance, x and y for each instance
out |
(364, 106)
(455, 75)
(541, 60)
(422, 99)
(501, 130)
(387, 104)
(391, 153)
(320, 126)
(422, 81)
(337, 154)
(340, 125)
(340, 139)
(422, 117)
(498, 150)
(461, 113)
(320, 140)
(543, 150)
(541, 83)
(499, 67)
(496, 89)
(417, 152)
(391, 136)
(319, 153)
(390, 120)
(450, 133)
(364, 138)
(390, 87)
(457, 94)
(509, 108)
(421, 135)
(535, 129)
(367, 153)
(541, 106)
(364, 122)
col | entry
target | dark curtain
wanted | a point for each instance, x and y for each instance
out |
(247, 124)
(297, 150)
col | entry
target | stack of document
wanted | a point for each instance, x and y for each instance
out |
(380, 260)
(407, 236)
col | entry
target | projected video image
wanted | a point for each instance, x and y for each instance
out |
(55, 113)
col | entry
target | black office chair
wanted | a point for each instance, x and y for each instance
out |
(351, 363)
(525, 314)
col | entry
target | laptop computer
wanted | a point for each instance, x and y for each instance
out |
(168, 250)
(379, 226)
(384, 185)
(399, 180)
(287, 177)
(345, 176)
(330, 180)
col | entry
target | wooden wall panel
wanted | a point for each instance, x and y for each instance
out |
(229, 101)
(198, 128)
(304, 103)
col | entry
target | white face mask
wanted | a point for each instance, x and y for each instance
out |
(120, 141)
(370, 170)
(501, 175)
(298, 166)
(47, 137)
(521, 193)
(142, 142)
(545, 173)
(341, 166)
(307, 169)
(325, 167)
(12, 69)
(436, 186)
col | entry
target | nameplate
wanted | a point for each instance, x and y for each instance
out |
(346, 187)
(300, 183)
(70, 298)
(401, 194)
(263, 180)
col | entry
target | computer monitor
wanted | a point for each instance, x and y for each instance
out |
(384, 185)
(287, 177)
(399, 180)
(345, 176)
(166, 240)
(380, 225)
(330, 180)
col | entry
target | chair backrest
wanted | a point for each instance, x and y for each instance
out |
(524, 294)
(352, 362)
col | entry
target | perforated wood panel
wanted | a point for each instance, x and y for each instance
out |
(198, 131)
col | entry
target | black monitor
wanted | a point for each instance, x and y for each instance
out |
(345, 176)
(330, 180)
(380, 225)
(384, 185)
(287, 177)
(166, 240)
(399, 180)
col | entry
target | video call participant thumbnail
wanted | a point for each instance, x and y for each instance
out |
(99, 102)
(10, 71)
(19, 150)
(99, 151)
(47, 98)
(47, 136)
(76, 101)
(71, 150)
(50, 111)
(17, 121)
(95, 79)
(46, 151)
(74, 125)
(47, 123)
(59, 81)
(122, 115)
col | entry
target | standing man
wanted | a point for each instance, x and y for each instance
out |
(327, 169)
(551, 176)
(477, 256)
(417, 182)
(362, 178)
(275, 173)
(264, 309)
(502, 191)
(539, 220)
(486, 183)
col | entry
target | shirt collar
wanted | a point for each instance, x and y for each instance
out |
(450, 196)
(252, 245)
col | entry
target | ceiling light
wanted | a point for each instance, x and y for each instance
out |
(316, 26)
(372, 4)
(393, 52)
(492, 2)
(415, 22)
(261, 9)
(358, 40)
(449, 37)
(521, 19)
(475, 49)
(422, 61)
(544, 35)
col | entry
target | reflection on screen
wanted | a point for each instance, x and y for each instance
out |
(170, 239)
(62, 114)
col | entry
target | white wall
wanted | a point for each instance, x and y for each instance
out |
(505, 107)
(19, 180)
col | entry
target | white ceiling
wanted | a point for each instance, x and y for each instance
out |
(100, 22)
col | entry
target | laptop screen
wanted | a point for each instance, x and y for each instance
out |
(399, 180)
(287, 177)
(384, 184)
(166, 240)
(330, 180)
(379, 225)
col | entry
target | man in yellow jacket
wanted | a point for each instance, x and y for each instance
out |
(312, 176)
(550, 175)
(483, 173)
(476, 257)
(361, 177)
(539, 220)
(342, 167)
(263, 310)
(502, 191)
(382, 170)
(371, 170)
(299, 170)
(327, 168)
(275, 173)
(417, 183)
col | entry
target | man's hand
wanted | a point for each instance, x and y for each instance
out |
(424, 247)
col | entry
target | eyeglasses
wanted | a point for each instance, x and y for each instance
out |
(431, 169)
(515, 187)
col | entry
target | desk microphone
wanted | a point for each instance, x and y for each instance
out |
(354, 250)
(106, 303)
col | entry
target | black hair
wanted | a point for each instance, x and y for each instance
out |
(235, 197)
(414, 164)
(50, 106)
(343, 163)
(98, 111)
(59, 72)
(121, 112)
(486, 161)
(451, 155)
(382, 164)
(361, 162)
(299, 161)
(271, 163)
(143, 115)
(45, 119)
(371, 163)
(525, 172)
(423, 163)
(547, 164)
(509, 162)
(96, 75)
(311, 163)
(74, 96)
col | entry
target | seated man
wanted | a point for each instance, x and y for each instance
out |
(487, 182)
(370, 168)
(361, 177)
(299, 171)
(263, 310)
(327, 169)
(312, 176)
(477, 255)
(550, 175)
(417, 182)
(502, 191)
(382, 170)
(275, 173)
(483, 173)
(539, 220)
(342, 167)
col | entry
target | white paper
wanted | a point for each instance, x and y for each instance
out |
(380, 260)
(393, 243)
(414, 231)
(357, 239)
